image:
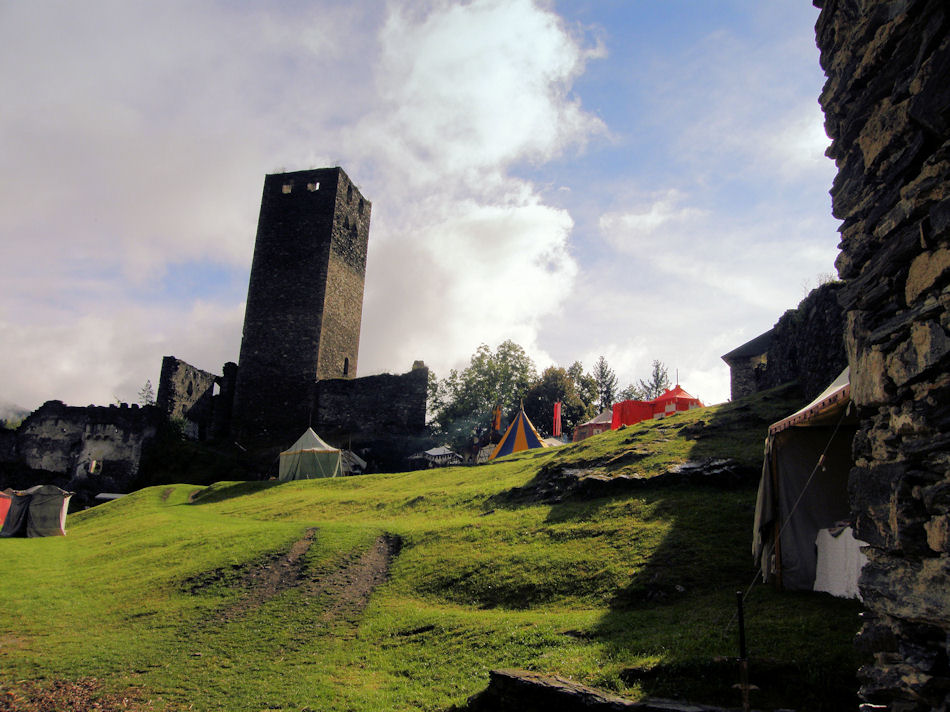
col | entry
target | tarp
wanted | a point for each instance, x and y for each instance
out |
(519, 436)
(37, 511)
(309, 458)
(6, 497)
(799, 492)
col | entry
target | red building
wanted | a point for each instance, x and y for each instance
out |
(672, 400)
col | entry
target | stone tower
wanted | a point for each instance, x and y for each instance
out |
(304, 299)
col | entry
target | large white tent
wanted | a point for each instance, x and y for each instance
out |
(309, 458)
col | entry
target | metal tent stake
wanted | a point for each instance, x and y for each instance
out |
(743, 659)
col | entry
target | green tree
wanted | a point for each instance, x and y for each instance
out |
(631, 392)
(584, 385)
(147, 394)
(554, 385)
(463, 401)
(659, 382)
(606, 383)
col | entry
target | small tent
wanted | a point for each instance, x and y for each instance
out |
(309, 458)
(37, 511)
(519, 436)
(802, 510)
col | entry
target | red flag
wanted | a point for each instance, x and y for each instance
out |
(556, 431)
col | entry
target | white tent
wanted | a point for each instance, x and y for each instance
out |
(309, 458)
(802, 506)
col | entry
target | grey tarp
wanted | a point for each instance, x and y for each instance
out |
(309, 458)
(37, 511)
(792, 452)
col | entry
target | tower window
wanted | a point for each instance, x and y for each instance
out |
(360, 209)
(346, 222)
(286, 188)
(346, 367)
(313, 187)
(349, 193)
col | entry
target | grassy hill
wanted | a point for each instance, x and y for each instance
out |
(401, 591)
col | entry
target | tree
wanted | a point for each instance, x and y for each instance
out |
(554, 385)
(659, 382)
(585, 386)
(631, 392)
(147, 394)
(462, 403)
(606, 383)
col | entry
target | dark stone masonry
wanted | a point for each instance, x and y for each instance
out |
(887, 111)
(806, 346)
(304, 299)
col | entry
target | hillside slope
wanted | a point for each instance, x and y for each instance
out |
(401, 591)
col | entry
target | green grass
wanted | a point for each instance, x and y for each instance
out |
(634, 593)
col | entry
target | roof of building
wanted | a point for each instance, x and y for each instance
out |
(759, 345)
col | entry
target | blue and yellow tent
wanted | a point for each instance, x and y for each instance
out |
(519, 436)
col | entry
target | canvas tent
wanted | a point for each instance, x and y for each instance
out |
(6, 497)
(309, 458)
(37, 511)
(802, 504)
(519, 436)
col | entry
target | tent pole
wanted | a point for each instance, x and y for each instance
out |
(777, 525)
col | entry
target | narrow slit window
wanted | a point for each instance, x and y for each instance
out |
(346, 367)
(360, 209)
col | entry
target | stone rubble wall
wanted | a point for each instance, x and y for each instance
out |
(807, 344)
(887, 111)
(66, 440)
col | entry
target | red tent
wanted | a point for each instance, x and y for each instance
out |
(672, 400)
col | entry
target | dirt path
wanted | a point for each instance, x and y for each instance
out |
(346, 589)
(349, 588)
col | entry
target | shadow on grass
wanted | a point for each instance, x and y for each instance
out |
(222, 491)
(681, 605)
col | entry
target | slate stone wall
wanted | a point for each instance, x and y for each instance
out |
(372, 406)
(303, 313)
(807, 344)
(887, 110)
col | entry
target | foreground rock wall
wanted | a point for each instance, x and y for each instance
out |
(887, 109)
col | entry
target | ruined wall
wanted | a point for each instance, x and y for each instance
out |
(887, 110)
(373, 406)
(297, 326)
(807, 344)
(87, 444)
(186, 392)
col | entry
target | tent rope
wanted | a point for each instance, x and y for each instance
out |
(788, 518)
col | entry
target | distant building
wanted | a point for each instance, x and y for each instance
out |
(595, 426)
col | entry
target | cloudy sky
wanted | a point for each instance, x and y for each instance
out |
(630, 178)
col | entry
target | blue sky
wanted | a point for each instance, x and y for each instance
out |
(633, 179)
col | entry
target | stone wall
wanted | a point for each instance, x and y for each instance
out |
(94, 447)
(807, 344)
(373, 406)
(887, 110)
(186, 392)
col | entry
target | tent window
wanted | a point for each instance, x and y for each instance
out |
(346, 367)
(286, 188)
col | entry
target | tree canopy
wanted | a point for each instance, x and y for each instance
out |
(659, 381)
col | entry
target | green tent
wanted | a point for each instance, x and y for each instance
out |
(37, 511)
(308, 459)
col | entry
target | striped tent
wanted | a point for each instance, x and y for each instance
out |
(519, 436)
